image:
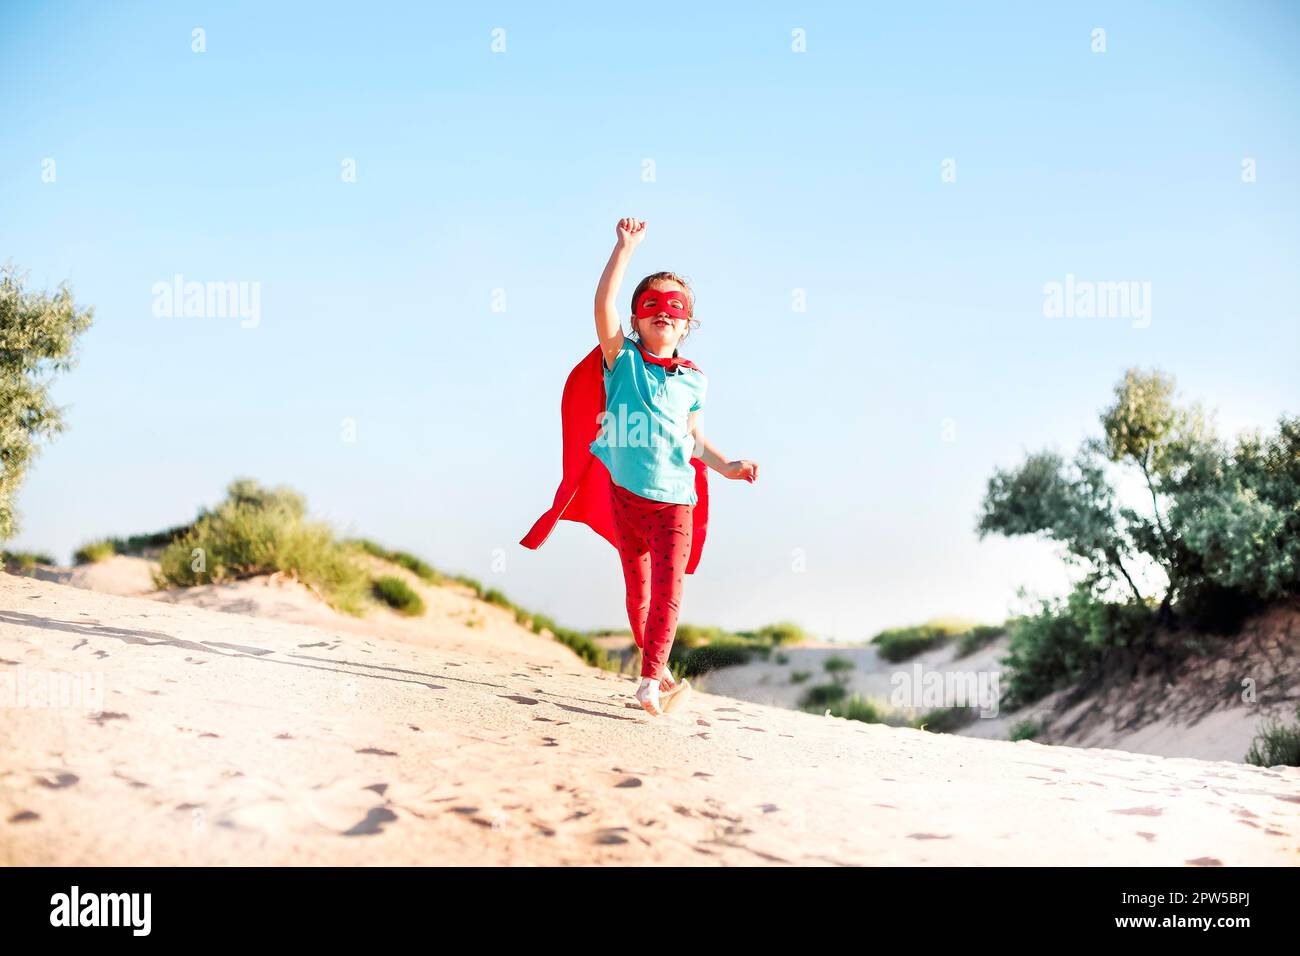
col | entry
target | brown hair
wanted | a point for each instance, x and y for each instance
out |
(667, 277)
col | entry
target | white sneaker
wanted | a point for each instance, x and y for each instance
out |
(648, 695)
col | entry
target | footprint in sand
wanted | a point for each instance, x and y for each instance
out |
(520, 699)
(1204, 861)
(373, 823)
(1141, 811)
(24, 816)
(377, 752)
(59, 782)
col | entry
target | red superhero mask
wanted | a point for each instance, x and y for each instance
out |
(654, 301)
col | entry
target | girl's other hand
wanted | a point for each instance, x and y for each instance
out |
(748, 470)
(630, 232)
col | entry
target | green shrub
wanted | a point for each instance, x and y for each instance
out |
(1234, 511)
(403, 559)
(1065, 641)
(782, 659)
(369, 547)
(398, 595)
(835, 664)
(779, 634)
(416, 566)
(24, 560)
(1275, 745)
(470, 583)
(693, 635)
(493, 596)
(139, 543)
(586, 648)
(977, 637)
(854, 708)
(902, 643)
(798, 677)
(1214, 609)
(946, 720)
(262, 531)
(95, 552)
(820, 696)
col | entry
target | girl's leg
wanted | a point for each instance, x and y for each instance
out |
(669, 539)
(635, 559)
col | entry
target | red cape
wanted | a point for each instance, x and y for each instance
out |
(584, 492)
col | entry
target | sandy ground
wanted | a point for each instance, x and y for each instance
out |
(120, 574)
(228, 739)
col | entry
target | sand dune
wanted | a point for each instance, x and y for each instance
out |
(228, 739)
(1194, 710)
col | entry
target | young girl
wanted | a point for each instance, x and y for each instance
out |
(649, 436)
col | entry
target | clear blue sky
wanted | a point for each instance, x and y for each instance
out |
(776, 171)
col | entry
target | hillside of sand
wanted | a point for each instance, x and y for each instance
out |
(1171, 706)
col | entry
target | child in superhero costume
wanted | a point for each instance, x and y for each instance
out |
(635, 458)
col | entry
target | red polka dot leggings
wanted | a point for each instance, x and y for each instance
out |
(654, 543)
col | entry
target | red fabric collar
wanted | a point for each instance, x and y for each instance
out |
(669, 363)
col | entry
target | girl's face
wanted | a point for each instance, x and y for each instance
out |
(659, 329)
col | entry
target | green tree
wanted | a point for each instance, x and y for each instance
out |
(37, 334)
(1224, 523)
(1074, 506)
(1145, 429)
(1236, 514)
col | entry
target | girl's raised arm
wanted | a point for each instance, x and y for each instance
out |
(609, 329)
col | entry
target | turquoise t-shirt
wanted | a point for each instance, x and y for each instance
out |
(644, 439)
